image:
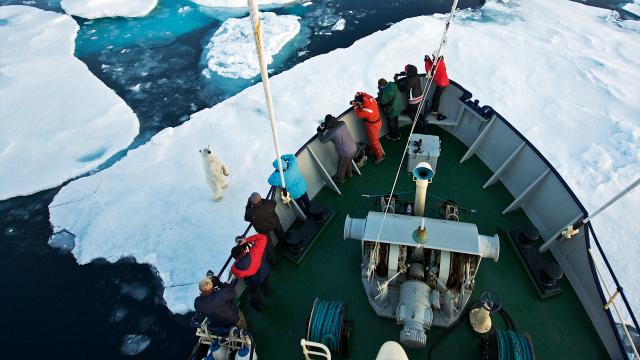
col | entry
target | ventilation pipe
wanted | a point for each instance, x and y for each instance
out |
(422, 175)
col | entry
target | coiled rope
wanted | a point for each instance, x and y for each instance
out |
(513, 346)
(325, 325)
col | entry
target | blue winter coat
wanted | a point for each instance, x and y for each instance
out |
(296, 185)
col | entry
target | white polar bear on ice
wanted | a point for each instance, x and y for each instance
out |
(215, 172)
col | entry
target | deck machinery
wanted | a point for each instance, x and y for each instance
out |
(417, 270)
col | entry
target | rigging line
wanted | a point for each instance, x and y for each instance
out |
(255, 22)
(427, 86)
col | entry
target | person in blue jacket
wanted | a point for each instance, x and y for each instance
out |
(294, 181)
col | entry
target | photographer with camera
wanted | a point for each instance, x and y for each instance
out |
(249, 265)
(409, 83)
(440, 78)
(366, 108)
(337, 132)
(391, 106)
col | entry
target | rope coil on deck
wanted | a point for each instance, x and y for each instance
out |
(327, 325)
(513, 346)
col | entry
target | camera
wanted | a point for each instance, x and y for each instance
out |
(322, 127)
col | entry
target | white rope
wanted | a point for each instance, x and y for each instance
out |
(614, 199)
(615, 306)
(443, 42)
(255, 22)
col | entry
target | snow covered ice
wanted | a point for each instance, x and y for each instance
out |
(93, 9)
(339, 25)
(633, 7)
(563, 73)
(231, 51)
(56, 116)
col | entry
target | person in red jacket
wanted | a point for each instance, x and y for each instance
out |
(366, 108)
(440, 78)
(251, 266)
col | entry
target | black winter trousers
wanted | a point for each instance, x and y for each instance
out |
(435, 104)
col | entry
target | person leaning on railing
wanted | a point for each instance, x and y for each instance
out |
(295, 183)
(391, 105)
(248, 265)
(262, 215)
(217, 303)
(366, 108)
(337, 132)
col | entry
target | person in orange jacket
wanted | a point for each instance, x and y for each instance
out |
(440, 78)
(366, 108)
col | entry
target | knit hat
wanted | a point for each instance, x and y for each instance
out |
(330, 120)
(255, 198)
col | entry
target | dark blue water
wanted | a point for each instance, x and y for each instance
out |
(53, 308)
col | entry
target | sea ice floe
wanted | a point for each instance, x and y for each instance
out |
(134, 344)
(562, 73)
(58, 120)
(633, 7)
(339, 25)
(93, 9)
(231, 51)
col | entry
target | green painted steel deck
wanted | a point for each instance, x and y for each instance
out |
(558, 326)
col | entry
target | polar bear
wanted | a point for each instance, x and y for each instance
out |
(215, 172)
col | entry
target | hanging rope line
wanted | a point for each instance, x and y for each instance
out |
(611, 301)
(255, 22)
(425, 91)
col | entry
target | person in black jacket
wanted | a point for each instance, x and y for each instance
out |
(409, 83)
(217, 303)
(262, 214)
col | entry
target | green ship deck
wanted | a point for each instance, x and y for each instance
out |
(559, 326)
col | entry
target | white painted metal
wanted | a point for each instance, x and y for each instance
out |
(323, 350)
(527, 192)
(257, 35)
(478, 142)
(325, 175)
(430, 151)
(504, 166)
(422, 175)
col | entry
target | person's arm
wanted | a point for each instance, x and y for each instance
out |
(290, 159)
(248, 213)
(274, 179)
(326, 135)
(387, 96)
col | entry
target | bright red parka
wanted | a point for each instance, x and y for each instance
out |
(369, 109)
(440, 78)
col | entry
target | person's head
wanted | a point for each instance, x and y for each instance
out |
(330, 121)
(206, 286)
(411, 69)
(255, 198)
(238, 251)
(382, 83)
(358, 99)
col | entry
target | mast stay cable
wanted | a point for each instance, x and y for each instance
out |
(255, 23)
(443, 42)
